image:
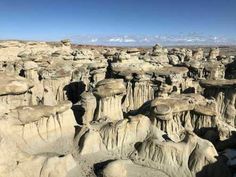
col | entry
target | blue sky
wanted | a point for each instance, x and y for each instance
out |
(93, 20)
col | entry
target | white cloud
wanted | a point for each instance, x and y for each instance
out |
(129, 40)
(192, 38)
(145, 40)
(115, 40)
(94, 40)
(124, 39)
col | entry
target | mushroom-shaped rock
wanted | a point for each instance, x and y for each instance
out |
(163, 111)
(176, 76)
(139, 85)
(172, 114)
(162, 117)
(109, 93)
(224, 93)
(139, 91)
(110, 87)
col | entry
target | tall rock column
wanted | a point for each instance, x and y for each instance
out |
(30, 69)
(224, 92)
(89, 104)
(109, 93)
(142, 91)
(128, 103)
(139, 91)
(162, 117)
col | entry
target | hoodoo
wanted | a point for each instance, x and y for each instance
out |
(78, 111)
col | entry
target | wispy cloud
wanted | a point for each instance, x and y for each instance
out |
(122, 39)
(146, 40)
(94, 40)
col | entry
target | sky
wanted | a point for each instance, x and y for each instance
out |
(119, 21)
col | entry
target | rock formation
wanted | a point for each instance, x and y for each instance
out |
(109, 93)
(76, 111)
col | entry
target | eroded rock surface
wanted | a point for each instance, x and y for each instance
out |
(76, 111)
